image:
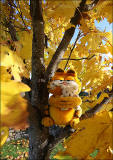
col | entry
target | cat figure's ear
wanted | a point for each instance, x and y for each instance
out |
(60, 70)
(71, 71)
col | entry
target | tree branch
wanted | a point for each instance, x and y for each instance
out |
(58, 138)
(38, 67)
(67, 37)
(57, 57)
(21, 16)
(38, 136)
(97, 108)
(19, 11)
(64, 43)
(73, 59)
(11, 29)
(72, 49)
(8, 23)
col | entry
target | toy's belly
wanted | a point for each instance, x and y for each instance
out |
(61, 117)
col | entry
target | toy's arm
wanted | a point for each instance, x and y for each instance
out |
(76, 117)
(47, 121)
(78, 112)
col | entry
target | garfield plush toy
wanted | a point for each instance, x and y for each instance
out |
(64, 105)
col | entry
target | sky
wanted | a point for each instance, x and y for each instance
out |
(104, 25)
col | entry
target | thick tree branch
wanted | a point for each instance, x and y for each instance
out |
(97, 108)
(66, 39)
(59, 52)
(64, 44)
(38, 67)
(58, 138)
(12, 30)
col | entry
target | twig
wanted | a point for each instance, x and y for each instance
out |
(20, 13)
(78, 36)
(87, 58)
(12, 29)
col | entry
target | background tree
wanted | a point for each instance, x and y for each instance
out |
(36, 40)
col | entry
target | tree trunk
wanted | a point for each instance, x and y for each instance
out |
(38, 136)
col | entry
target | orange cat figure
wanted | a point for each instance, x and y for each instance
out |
(64, 104)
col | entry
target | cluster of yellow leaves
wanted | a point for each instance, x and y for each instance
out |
(106, 83)
(60, 8)
(19, 11)
(24, 46)
(105, 9)
(91, 134)
(13, 62)
(5, 9)
(89, 102)
(13, 107)
(57, 20)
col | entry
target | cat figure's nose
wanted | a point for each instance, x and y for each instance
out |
(64, 83)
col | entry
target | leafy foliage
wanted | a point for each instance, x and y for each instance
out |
(93, 133)
(90, 57)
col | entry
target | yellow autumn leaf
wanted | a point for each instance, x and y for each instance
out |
(16, 108)
(13, 106)
(26, 45)
(5, 75)
(88, 136)
(11, 60)
(105, 8)
(12, 87)
(56, 8)
(105, 144)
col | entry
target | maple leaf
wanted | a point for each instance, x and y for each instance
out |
(89, 135)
